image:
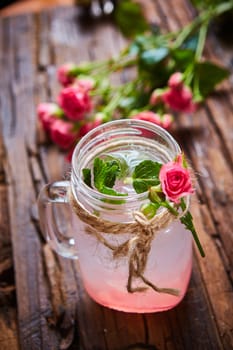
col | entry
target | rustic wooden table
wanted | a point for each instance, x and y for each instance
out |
(42, 301)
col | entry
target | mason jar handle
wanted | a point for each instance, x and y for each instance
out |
(56, 218)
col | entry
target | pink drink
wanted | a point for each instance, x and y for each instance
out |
(73, 217)
(169, 263)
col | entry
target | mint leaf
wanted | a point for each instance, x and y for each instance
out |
(187, 220)
(122, 165)
(87, 176)
(105, 174)
(147, 169)
(145, 175)
(142, 185)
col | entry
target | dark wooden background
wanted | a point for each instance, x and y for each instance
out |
(42, 301)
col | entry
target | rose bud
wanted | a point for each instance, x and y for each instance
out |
(62, 133)
(180, 100)
(176, 80)
(65, 74)
(48, 113)
(150, 116)
(149, 210)
(86, 83)
(75, 101)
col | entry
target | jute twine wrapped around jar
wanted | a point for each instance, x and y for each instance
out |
(136, 248)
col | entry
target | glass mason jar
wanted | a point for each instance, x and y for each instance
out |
(74, 218)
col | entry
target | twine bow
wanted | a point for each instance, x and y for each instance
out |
(136, 248)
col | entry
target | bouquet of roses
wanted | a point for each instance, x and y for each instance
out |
(170, 76)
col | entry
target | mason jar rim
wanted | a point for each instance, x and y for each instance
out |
(121, 123)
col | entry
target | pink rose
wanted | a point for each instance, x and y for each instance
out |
(64, 74)
(75, 101)
(86, 84)
(62, 133)
(153, 118)
(180, 99)
(175, 180)
(47, 114)
(176, 80)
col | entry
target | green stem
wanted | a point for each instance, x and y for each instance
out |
(196, 239)
(204, 17)
(169, 207)
(201, 41)
(113, 103)
(185, 32)
(187, 220)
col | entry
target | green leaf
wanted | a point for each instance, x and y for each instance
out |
(182, 58)
(111, 192)
(191, 43)
(207, 76)
(129, 17)
(145, 175)
(146, 42)
(87, 176)
(147, 169)
(121, 163)
(142, 185)
(105, 174)
(154, 56)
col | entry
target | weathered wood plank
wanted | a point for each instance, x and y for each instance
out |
(213, 165)
(32, 296)
(8, 322)
(54, 311)
(8, 319)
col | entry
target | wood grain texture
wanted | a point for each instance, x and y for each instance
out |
(43, 304)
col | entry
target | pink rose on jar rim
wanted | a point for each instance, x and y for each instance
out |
(62, 133)
(64, 74)
(175, 180)
(75, 101)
